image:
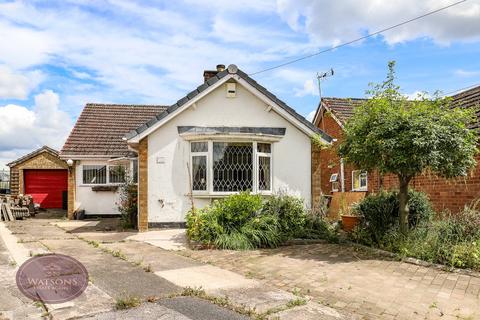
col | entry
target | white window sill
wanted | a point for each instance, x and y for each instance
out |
(224, 195)
(360, 190)
(101, 185)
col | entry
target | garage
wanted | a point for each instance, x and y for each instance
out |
(48, 188)
(43, 175)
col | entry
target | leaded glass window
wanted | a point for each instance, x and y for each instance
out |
(199, 170)
(225, 167)
(199, 165)
(232, 166)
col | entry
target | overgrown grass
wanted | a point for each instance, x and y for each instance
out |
(449, 239)
(127, 302)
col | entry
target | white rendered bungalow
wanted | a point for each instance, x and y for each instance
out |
(228, 135)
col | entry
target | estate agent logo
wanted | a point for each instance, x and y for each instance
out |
(52, 278)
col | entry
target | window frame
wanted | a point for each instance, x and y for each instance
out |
(360, 188)
(199, 154)
(210, 175)
(107, 168)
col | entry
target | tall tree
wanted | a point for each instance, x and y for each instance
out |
(407, 137)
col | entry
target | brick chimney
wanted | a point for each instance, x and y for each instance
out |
(207, 74)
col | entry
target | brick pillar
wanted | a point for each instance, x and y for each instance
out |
(143, 185)
(71, 192)
(20, 182)
(316, 175)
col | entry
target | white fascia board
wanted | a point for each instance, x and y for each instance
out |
(172, 115)
(282, 112)
(87, 157)
(333, 115)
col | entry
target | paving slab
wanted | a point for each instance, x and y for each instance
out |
(207, 277)
(148, 311)
(111, 274)
(199, 309)
(260, 298)
(311, 311)
(13, 304)
(149, 255)
(168, 239)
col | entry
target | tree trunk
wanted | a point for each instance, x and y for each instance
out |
(403, 203)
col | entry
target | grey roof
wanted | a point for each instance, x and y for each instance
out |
(232, 69)
(33, 154)
(228, 130)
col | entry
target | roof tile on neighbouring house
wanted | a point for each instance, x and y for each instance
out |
(469, 99)
(342, 108)
(100, 128)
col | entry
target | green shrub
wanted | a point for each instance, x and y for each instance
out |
(236, 210)
(245, 222)
(379, 213)
(290, 212)
(453, 240)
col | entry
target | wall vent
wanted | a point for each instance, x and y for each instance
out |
(231, 90)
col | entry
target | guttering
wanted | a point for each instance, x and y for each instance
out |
(89, 157)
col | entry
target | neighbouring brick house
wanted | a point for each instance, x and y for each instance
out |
(228, 135)
(452, 194)
(41, 174)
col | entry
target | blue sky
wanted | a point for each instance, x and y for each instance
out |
(57, 55)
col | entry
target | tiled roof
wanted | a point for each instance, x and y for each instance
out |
(100, 128)
(343, 108)
(232, 69)
(33, 154)
(468, 99)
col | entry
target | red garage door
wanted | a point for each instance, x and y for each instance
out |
(46, 186)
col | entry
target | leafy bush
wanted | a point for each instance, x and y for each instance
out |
(452, 239)
(379, 213)
(244, 221)
(290, 212)
(127, 205)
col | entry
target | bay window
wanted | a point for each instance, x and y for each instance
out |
(228, 167)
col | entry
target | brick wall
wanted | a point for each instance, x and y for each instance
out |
(143, 185)
(451, 194)
(71, 192)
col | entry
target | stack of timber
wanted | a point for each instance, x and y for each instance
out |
(12, 208)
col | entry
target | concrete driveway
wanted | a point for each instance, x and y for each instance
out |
(122, 264)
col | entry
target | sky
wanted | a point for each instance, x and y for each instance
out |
(57, 55)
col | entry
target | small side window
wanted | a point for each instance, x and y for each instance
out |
(359, 180)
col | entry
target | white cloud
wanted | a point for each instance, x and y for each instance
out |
(331, 22)
(17, 86)
(310, 115)
(309, 88)
(467, 73)
(23, 129)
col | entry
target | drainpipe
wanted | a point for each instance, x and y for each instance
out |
(342, 175)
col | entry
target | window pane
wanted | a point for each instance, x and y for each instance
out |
(363, 180)
(264, 173)
(94, 174)
(199, 173)
(116, 174)
(232, 166)
(199, 146)
(264, 147)
(134, 171)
